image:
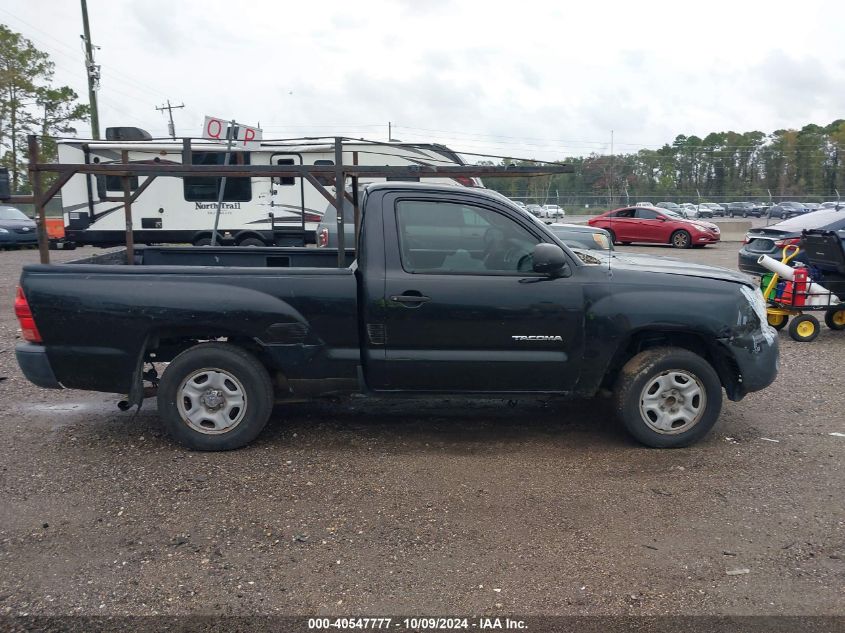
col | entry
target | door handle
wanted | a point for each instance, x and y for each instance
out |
(415, 300)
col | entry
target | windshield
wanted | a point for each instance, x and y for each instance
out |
(11, 213)
(672, 213)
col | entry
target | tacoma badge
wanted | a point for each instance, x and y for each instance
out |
(537, 337)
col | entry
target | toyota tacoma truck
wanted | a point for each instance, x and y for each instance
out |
(450, 290)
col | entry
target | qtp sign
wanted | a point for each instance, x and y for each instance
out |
(242, 136)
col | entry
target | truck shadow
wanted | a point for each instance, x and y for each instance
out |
(414, 423)
(390, 425)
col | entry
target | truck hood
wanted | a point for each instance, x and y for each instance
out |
(670, 266)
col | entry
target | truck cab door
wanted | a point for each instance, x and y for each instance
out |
(461, 308)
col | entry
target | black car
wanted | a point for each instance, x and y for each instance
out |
(16, 229)
(787, 210)
(744, 209)
(770, 240)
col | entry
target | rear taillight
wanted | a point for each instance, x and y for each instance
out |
(789, 242)
(466, 181)
(313, 217)
(746, 239)
(323, 237)
(27, 322)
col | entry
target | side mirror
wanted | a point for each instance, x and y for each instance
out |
(548, 259)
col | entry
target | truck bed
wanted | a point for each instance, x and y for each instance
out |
(294, 304)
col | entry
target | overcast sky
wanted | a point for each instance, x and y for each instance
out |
(541, 79)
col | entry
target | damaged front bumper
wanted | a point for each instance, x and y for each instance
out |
(753, 360)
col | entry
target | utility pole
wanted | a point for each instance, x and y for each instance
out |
(92, 70)
(610, 183)
(389, 131)
(170, 108)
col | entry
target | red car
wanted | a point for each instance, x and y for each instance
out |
(658, 226)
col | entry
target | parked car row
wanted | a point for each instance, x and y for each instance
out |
(689, 210)
(790, 209)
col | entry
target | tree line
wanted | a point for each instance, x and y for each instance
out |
(806, 164)
(31, 104)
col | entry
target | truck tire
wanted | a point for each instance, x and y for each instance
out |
(668, 397)
(215, 397)
(681, 239)
(251, 241)
(202, 241)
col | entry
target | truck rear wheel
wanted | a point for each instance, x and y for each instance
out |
(215, 397)
(668, 397)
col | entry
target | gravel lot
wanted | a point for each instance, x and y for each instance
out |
(407, 507)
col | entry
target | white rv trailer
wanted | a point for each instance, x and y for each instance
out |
(255, 211)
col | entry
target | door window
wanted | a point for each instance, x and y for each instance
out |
(114, 184)
(326, 181)
(202, 188)
(445, 237)
(286, 181)
(646, 214)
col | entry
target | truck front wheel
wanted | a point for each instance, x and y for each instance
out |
(668, 397)
(215, 397)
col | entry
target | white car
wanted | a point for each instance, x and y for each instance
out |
(553, 211)
(690, 210)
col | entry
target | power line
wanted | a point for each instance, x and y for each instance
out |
(134, 84)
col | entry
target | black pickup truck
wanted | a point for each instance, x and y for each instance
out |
(453, 290)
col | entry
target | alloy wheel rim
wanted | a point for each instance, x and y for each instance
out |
(673, 402)
(211, 401)
(681, 239)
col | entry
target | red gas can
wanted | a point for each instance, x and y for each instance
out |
(795, 292)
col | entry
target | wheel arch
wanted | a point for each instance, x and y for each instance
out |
(162, 345)
(249, 233)
(709, 349)
(677, 230)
